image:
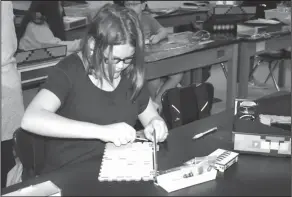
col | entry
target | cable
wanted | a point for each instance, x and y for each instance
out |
(201, 37)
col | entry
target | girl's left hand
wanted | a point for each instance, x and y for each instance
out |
(160, 128)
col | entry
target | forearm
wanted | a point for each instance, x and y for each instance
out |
(72, 46)
(162, 33)
(149, 114)
(154, 117)
(49, 124)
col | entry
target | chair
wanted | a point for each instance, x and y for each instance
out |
(276, 58)
(30, 148)
(182, 105)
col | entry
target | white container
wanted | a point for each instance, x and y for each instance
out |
(274, 13)
(42, 189)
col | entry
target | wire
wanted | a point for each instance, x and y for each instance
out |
(203, 36)
(262, 35)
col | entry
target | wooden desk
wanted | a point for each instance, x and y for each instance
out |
(248, 49)
(183, 17)
(210, 54)
(252, 175)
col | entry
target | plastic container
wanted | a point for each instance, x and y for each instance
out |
(274, 13)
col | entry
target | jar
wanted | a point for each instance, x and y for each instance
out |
(247, 110)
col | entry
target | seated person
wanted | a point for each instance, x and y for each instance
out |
(96, 95)
(35, 32)
(153, 33)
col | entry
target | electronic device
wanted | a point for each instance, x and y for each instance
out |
(224, 19)
(257, 138)
(73, 22)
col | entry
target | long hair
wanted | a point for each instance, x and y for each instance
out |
(50, 10)
(114, 25)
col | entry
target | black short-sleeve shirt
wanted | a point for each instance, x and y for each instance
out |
(81, 100)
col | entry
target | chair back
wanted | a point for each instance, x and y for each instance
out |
(182, 105)
(30, 148)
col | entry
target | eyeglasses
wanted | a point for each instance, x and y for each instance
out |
(116, 60)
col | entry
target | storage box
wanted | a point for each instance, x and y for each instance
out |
(274, 13)
(183, 178)
(74, 22)
(46, 53)
(34, 65)
(188, 175)
(257, 138)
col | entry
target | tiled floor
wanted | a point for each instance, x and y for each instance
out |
(218, 80)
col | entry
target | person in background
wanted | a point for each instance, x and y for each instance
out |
(11, 98)
(50, 10)
(154, 33)
(95, 96)
(35, 32)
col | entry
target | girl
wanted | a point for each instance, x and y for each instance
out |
(96, 95)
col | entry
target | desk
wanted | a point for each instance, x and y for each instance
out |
(211, 53)
(204, 55)
(180, 17)
(183, 17)
(250, 48)
(252, 175)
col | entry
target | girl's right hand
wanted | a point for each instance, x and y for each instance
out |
(119, 133)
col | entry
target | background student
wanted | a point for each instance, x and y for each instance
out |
(51, 10)
(35, 32)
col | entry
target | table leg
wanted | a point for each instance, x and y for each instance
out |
(244, 70)
(196, 75)
(281, 74)
(232, 78)
(186, 80)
